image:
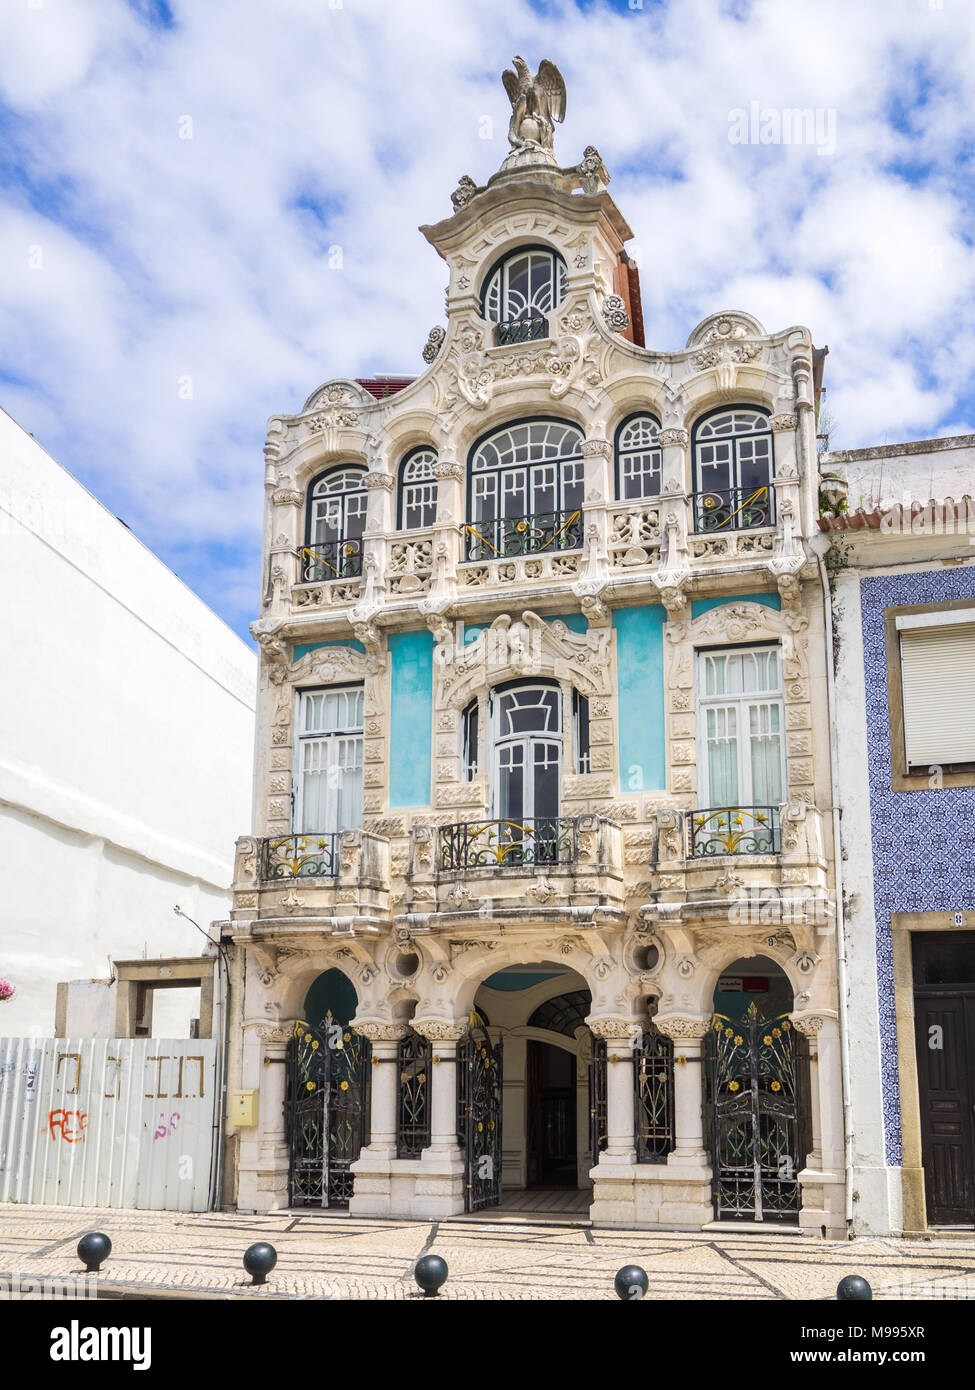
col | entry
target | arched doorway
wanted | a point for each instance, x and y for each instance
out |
(536, 1012)
(327, 1095)
(755, 1102)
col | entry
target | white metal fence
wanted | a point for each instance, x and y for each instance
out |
(126, 1122)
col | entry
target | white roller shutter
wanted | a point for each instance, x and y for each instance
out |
(938, 673)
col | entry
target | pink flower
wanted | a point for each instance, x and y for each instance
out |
(7, 990)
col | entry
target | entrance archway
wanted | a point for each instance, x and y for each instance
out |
(327, 1095)
(755, 1105)
(538, 1012)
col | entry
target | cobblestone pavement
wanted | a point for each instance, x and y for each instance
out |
(326, 1255)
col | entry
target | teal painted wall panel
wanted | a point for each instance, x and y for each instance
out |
(704, 605)
(640, 666)
(307, 647)
(410, 718)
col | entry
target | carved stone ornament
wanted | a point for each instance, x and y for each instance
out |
(537, 105)
(614, 312)
(671, 437)
(780, 423)
(286, 497)
(377, 1030)
(277, 1034)
(466, 190)
(613, 1028)
(596, 449)
(439, 1030)
(451, 472)
(384, 481)
(434, 342)
(681, 1026)
(809, 1024)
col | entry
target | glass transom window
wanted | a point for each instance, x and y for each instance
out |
(522, 291)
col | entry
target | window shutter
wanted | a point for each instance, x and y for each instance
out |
(938, 677)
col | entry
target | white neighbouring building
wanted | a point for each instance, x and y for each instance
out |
(126, 738)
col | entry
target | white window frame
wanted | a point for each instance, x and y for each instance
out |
(741, 702)
(332, 739)
(500, 740)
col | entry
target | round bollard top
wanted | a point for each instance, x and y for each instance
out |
(853, 1288)
(631, 1282)
(430, 1272)
(259, 1259)
(93, 1247)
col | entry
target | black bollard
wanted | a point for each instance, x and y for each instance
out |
(93, 1248)
(430, 1272)
(259, 1259)
(631, 1282)
(853, 1288)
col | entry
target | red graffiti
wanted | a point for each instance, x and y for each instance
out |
(69, 1125)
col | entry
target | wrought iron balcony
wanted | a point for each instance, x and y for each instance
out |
(523, 330)
(502, 537)
(734, 509)
(508, 844)
(735, 830)
(300, 856)
(331, 560)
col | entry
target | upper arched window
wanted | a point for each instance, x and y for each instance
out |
(417, 490)
(520, 292)
(526, 490)
(733, 467)
(638, 457)
(336, 519)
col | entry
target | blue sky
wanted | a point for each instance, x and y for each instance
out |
(174, 174)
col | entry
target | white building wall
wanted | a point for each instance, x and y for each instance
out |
(126, 738)
(876, 1187)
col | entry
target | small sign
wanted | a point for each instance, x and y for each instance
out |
(959, 919)
(730, 984)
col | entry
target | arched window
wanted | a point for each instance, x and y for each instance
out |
(733, 466)
(520, 292)
(417, 490)
(638, 458)
(526, 490)
(336, 519)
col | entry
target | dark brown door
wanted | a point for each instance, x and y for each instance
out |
(944, 1021)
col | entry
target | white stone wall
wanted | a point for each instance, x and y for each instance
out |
(126, 738)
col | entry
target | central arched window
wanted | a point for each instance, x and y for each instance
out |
(526, 490)
(520, 292)
(638, 458)
(733, 466)
(336, 519)
(417, 491)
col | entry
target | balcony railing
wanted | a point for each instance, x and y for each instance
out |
(331, 560)
(734, 509)
(508, 844)
(525, 330)
(300, 856)
(735, 830)
(502, 537)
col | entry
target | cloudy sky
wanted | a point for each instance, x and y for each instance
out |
(176, 176)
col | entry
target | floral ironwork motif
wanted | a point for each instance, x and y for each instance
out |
(331, 560)
(508, 844)
(734, 509)
(653, 1081)
(522, 330)
(414, 1060)
(301, 856)
(328, 1106)
(753, 1091)
(735, 830)
(524, 535)
(479, 1115)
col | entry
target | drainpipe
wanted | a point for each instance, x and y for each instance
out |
(819, 545)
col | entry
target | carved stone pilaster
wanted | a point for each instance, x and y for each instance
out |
(783, 422)
(615, 1028)
(439, 1029)
(669, 438)
(379, 1030)
(681, 1027)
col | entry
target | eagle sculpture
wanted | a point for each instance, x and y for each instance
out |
(536, 104)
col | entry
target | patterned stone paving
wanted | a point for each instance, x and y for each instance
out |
(327, 1255)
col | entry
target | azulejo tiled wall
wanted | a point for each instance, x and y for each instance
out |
(923, 841)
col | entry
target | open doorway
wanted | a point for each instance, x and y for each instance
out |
(551, 1150)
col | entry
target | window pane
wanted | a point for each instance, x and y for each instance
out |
(722, 755)
(766, 754)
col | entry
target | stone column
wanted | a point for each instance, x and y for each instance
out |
(379, 524)
(676, 483)
(284, 544)
(448, 533)
(809, 1027)
(265, 1158)
(372, 1194)
(620, 1035)
(688, 1036)
(823, 1186)
(439, 1181)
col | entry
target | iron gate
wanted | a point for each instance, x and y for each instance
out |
(479, 1116)
(753, 1100)
(327, 1107)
